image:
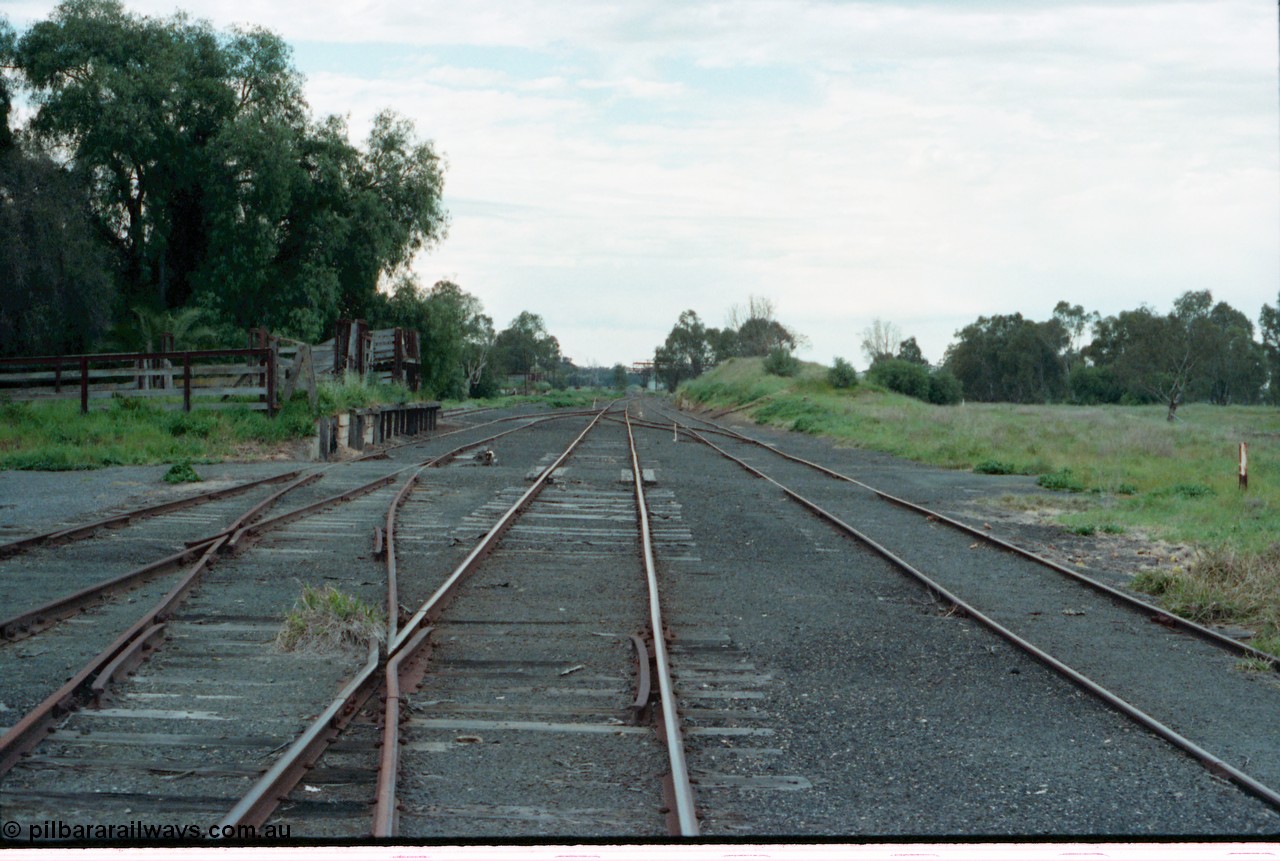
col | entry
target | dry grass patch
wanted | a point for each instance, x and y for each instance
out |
(326, 620)
(1223, 585)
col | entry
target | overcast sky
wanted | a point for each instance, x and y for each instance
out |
(611, 164)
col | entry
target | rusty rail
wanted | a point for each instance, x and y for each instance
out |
(411, 637)
(1158, 613)
(257, 805)
(404, 648)
(31, 621)
(1211, 762)
(83, 530)
(685, 814)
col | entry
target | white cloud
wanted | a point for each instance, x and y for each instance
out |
(611, 164)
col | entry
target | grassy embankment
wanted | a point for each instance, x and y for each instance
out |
(56, 436)
(1126, 469)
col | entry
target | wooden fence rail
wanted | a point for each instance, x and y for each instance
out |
(249, 372)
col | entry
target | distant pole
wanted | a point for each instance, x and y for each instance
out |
(1244, 466)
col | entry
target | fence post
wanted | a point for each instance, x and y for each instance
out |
(1244, 466)
(84, 384)
(272, 364)
(397, 362)
(186, 382)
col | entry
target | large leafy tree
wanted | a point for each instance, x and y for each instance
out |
(525, 347)
(451, 329)
(133, 102)
(207, 178)
(1009, 358)
(686, 352)
(758, 332)
(1232, 365)
(1200, 350)
(55, 294)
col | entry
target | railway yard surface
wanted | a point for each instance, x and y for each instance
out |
(708, 652)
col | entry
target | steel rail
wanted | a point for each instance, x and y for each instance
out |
(418, 439)
(1213, 763)
(83, 530)
(29, 731)
(255, 806)
(31, 728)
(413, 635)
(386, 808)
(682, 791)
(389, 528)
(30, 622)
(280, 779)
(431, 609)
(1131, 602)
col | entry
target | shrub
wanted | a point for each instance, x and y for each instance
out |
(944, 389)
(901, 376)
(995, 467)
(181, 472)
(1063, 479)
(781, 363)
(1185, 491)
(842, 375)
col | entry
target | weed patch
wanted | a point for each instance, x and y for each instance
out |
(181, 472)
(1186, 491)
(1223, 585)
(1062, 479)
(327, 620)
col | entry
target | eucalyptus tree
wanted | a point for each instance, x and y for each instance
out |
(525, 347)
(1007, 357)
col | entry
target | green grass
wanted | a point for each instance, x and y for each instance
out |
(1127, 470)
(565, 399)
(56, 436)
(181, 473)
(328, 620)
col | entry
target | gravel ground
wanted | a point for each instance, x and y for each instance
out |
(823, 695)
(1181, 680)
(853, 705)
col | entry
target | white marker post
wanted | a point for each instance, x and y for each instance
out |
(1244, 467)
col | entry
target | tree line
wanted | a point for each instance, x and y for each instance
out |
(170, 177)
(1200, 350)
(693, 347)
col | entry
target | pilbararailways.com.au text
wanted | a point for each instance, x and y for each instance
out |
(136, 831)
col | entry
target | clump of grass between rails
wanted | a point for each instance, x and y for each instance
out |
(327, 620)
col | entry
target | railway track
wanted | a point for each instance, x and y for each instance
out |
(811, 689)
(533, 718)
(1038, 606)
(214, 636)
